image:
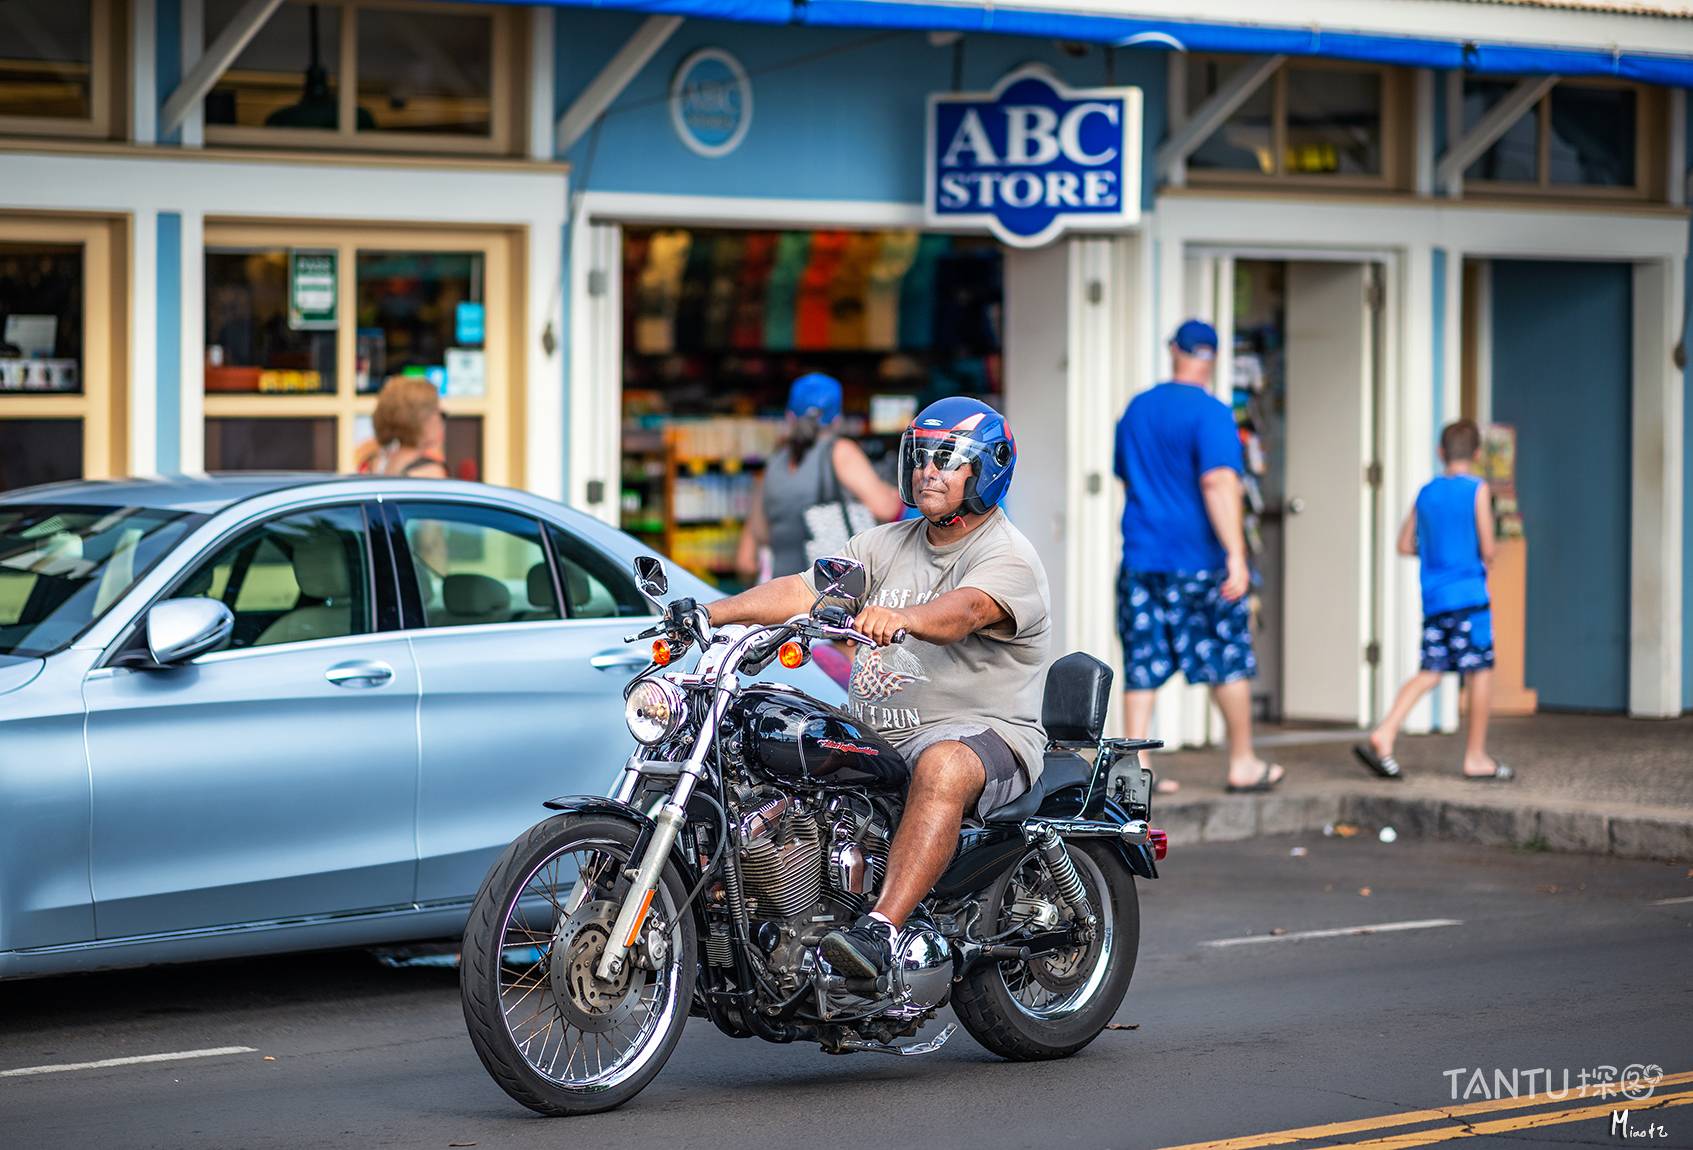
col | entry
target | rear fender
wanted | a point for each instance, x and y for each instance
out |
(984, 852)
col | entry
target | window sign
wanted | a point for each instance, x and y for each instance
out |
(468, 321)
(711, 103)
(312, 290)
(467, 372)
(1032, 158)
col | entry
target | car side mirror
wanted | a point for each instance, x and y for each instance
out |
(181, 629)
(651, 579)
(839, 578)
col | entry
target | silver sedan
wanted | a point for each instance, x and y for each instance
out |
(262, 713)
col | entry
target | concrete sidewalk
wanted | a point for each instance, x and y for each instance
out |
(1585, 783)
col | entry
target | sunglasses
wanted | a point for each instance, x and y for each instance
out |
(941, 458)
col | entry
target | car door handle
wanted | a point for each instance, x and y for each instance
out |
(619, 661)
(359, 673)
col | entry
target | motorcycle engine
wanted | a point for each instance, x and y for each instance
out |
(794, 848)
(809, 865)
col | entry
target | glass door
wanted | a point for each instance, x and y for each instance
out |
(304, 326)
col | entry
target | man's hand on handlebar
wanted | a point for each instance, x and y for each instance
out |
(883, 624)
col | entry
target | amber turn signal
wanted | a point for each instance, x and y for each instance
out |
(791, 655)
(662, 654)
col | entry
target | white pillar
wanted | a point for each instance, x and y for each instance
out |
(142, 292)
(193, 336)
(1655, 622)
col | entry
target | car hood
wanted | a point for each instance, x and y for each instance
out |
(17, 671)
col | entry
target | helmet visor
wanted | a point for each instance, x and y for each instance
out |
(920, 454)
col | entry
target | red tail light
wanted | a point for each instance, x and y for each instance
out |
(1160, 842)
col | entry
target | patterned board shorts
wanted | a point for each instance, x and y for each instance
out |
(1458, 641)
(1180, 620)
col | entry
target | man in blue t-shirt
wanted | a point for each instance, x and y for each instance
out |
(1181, 591)
(1450, 530)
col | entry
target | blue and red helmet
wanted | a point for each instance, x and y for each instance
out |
(954, 433)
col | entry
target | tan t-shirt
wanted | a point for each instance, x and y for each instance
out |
(993, 678)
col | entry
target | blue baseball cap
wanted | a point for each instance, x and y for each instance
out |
(816, 394)
(1196, 338)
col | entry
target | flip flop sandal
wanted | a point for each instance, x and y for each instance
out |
(1264, 783)
(1384, 765)
(1501, 774)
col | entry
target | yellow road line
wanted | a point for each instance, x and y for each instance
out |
(1521, 1122)
(1415, 1117)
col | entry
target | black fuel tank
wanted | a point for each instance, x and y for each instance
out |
(793, 737)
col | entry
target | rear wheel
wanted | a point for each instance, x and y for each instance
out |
(1053, 1004)
(554, 1036)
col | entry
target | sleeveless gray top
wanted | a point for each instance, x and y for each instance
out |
(787, 494)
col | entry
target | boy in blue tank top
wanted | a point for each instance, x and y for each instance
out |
(1450, 530)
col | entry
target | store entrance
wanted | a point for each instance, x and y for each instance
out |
(716, 323)
(1304, 364)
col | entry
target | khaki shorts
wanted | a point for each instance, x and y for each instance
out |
(1006, 778)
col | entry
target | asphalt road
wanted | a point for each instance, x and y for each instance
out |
(1556, 963)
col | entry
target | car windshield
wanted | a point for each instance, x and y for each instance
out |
(62, 567)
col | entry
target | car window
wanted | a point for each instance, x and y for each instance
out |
(295, 578)
(477, 565)
(62, 567)
(595, 585)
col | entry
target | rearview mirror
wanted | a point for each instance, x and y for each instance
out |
(181, 629)
(650, 578)
(839, 578)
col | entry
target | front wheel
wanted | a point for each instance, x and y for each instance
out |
(554, 1036)
(1053, 1004)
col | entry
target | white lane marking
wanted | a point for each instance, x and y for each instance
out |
(135, 1060)
(1339, 932)
(1672, 901)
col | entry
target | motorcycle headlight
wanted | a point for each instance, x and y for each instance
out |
(654, 710)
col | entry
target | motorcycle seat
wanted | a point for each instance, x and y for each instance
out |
(1061, 771)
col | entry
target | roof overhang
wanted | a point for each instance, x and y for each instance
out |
(1495, 38)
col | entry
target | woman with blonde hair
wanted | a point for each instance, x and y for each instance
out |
(411, 432)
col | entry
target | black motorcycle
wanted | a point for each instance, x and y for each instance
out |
(751, 820)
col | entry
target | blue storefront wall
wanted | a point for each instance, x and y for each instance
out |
(837, 114)
(1562, 376)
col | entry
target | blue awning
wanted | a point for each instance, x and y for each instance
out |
(1492, 57)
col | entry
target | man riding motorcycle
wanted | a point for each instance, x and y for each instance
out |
(961, 697)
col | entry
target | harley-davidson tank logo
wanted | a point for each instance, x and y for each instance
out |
(849, 748)
(880, 673)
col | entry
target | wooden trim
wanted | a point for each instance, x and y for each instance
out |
(503, 295)
(433, 163)
(104, 375)
(506, 76)
(108, 87)
(1394, 144)
(1648, 152)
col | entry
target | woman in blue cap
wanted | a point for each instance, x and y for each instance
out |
(814, 466)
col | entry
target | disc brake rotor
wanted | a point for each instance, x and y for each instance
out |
(587, 1001)
(1060, 971)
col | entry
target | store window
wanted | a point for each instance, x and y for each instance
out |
(718, 323)
(1334, 124)
(58, 329)
(1581, 138)
(367, 75)
(303, 328)
(57, 67)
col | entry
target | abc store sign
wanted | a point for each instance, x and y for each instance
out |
(1033, 158)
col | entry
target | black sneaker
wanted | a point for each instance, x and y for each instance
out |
(865, 950)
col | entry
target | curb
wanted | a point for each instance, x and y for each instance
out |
(1659, 837)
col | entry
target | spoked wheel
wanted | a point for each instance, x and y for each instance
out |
(553, 1034)
(1053, 1004)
